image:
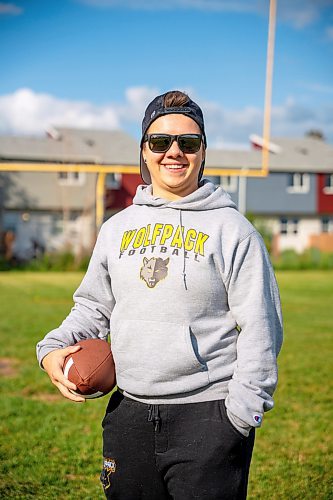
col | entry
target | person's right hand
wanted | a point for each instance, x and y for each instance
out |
(53, 364)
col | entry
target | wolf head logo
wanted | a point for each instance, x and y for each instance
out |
(154, 270)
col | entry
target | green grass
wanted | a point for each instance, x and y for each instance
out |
(51, 448)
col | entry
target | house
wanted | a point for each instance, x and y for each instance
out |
(55, 210)
(296, 199)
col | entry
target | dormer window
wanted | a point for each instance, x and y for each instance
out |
(328, 184)
(298, 183)
(113, 181)
(71, 178)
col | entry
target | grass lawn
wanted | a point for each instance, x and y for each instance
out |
(51, 448)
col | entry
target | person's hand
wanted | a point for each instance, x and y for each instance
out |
(53, 364)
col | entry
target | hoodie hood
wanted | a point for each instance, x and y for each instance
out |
(208, 196)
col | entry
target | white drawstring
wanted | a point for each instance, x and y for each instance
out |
(184, 258)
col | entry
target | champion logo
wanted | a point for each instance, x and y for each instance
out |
(257, 419)
(109, 464)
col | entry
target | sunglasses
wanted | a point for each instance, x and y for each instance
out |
(160, 143)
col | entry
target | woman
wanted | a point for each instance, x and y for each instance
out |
(184, 283)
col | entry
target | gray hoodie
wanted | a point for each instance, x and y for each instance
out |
(187, 291)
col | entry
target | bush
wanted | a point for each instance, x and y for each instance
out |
(312, 258)
(64, 261)
(4, 264)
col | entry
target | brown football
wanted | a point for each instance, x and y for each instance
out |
(91, 368)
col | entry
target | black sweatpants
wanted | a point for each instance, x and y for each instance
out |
(173, 451)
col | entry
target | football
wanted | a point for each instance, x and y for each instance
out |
(91, 368)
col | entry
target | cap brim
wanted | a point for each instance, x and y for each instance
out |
(144, 172)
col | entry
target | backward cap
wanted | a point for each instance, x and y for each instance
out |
(156, 109)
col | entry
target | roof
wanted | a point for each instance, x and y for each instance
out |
(68, 145)
(304, 154)
(226, 158)
(295, 155)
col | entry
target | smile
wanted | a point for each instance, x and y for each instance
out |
(174, 167)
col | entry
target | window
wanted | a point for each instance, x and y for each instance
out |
(328, 184)
(113, 181)
(288, 226)
(327, 225)
(229, 183)
(298, 183)
(71, 178)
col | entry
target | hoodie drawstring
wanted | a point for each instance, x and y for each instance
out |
(184, 257)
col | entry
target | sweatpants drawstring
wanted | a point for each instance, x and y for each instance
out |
(154, 416)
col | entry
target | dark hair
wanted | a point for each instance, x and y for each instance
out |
(175, 98)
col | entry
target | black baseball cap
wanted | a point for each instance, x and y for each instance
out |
(156, 109)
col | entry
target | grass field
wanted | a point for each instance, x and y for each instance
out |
(51, 448)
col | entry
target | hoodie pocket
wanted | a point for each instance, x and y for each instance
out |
(157, 358)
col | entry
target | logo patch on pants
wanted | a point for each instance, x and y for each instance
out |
(109, 467)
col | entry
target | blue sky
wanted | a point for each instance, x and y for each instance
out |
(97, 63)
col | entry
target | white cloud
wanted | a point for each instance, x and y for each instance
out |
(298, 13)
(293, 119)
(136, 99)
(10, 9)
(28, 112)
(232, 127)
